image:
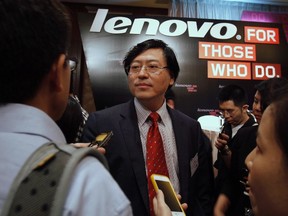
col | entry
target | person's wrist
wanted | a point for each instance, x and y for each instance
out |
(225, 150)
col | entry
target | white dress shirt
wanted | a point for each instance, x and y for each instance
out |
(168, 138)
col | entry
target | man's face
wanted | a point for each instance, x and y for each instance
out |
(150, 87)
(233, 114)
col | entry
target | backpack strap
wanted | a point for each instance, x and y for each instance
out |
(64, 185)
(42, 185)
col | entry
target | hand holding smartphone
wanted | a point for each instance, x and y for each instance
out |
(101, 140)
(224, 130)
(163, 183)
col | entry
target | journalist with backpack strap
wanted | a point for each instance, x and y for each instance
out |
(42, 184)
(34, 88)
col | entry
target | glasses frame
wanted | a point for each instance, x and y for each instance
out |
(223, 112)
(147, 68)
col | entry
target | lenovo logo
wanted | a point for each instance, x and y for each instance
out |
(171, 27)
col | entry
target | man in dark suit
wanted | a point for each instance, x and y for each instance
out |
(152, 68)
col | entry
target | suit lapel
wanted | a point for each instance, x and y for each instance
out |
(130, 131)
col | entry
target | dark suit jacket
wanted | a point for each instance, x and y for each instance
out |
(125, 157)
(220, 165)
(243, 145)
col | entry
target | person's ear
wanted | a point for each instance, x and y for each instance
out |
(172, 80)
(58, 70)
(245, 107)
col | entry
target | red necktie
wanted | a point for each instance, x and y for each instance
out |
(155, 156)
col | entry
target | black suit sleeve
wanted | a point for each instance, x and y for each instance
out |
(89, 132)
(205, 175)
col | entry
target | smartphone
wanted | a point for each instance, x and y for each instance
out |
(163, 183)
(224, 130)
(102, 139)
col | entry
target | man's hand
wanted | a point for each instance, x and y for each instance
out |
(221, 206)
(85, 145)
(159, 205)
(221, 141)
(161, 208)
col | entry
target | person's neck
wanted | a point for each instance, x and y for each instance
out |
(152, 105)
(244, 119)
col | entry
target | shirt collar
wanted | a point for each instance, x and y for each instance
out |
(143, 113)
(21, 118)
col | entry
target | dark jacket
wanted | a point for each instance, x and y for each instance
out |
(233, 188)
(125, 157)
(219, 164)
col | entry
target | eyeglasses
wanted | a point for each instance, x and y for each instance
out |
(150, 69)
(228, 112)
(73, 62)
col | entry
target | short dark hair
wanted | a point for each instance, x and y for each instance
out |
(266, 89)
(169, 54)
(233, 92)
(33, 35)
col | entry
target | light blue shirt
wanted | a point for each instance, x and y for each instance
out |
(93, 190)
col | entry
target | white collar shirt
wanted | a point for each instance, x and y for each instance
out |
(168, 138)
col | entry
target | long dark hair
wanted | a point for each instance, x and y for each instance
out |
(266, 89)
